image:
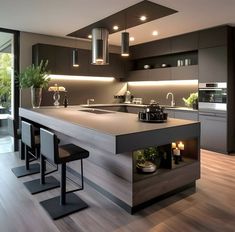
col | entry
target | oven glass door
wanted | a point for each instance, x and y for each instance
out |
(213, 95)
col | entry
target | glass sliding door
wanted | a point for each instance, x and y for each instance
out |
(9, 91)
(6, 74)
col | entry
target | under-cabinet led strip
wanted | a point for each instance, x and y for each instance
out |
(81, 78)
(162, 83)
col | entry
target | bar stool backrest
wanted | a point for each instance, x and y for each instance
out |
(11, 127)
(49, 145)
(27, 134)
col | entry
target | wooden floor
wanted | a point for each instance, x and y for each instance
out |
(210, 208)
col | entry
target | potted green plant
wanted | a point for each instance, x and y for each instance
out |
(192, 100)
(35, 77)
(148, 160)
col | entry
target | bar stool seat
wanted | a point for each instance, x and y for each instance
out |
(67, 202)
(31, 143)
(70, 152)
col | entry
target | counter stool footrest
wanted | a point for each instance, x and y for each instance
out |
(56, 210)
(22, 171)
(35, 186)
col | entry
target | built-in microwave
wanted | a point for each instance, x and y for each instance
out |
(212, 96)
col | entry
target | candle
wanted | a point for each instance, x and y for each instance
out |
(173, 145)
(181, 146)
(176, 151)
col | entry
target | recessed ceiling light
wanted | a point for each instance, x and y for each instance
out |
(143, 18)
(89, 36)
(115, 27)
(132, 38)
(155, 33)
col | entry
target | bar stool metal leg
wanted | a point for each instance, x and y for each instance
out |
(26, 169)
(43, 183)
(64, 204)
(63, 185)
(42, 170)
(22, 150)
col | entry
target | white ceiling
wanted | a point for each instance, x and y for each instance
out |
(61, 17)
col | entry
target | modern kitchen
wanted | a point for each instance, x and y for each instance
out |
(132, 108)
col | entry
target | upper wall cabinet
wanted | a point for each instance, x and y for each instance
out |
(213, 37)
(139, 75)
(185, 72)
(45, 52)
(154, 48)
(184, 43)
(213, 64)
(60, 62)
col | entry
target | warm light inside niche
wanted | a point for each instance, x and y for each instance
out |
(81, 78)
(163, 83)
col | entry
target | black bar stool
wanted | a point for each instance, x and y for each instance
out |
(32, 147)
(67, 202)
(16, 133)
(43, 183)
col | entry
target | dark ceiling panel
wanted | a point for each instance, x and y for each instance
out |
(127, 18)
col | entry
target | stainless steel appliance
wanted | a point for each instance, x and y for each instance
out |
(212, 96)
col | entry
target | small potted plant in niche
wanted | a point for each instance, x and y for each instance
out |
(148, 160)
(35, 77)
(192, 100)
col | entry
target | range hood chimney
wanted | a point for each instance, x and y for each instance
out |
(100, 53)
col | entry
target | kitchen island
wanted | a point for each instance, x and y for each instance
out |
(113, 139)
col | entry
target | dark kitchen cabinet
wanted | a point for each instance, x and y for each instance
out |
(213, 37)
(154, 48)
(189, 72)
(187, 115)
(133, 109)
(83, 57)
(170, 73)
(183, 43)
(139, 75)
(182, 114)
(170, 113)
(160, 74)
(60, 62)
(44, 52)
(63, 60)
(117, 67)
(213, 65)
(213, 132)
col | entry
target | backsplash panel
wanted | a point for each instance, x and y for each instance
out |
(158, 93)
(79, 91)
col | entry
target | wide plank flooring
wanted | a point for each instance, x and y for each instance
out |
(210, 208)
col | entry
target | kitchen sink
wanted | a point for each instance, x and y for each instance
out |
(95, 111)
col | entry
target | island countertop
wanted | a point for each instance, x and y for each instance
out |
(112, 140)
(111, 122)
(115, 126)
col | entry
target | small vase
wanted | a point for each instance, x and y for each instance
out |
(36, 97)
(56, 97)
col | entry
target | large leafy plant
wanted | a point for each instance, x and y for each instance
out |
(192, 99)
(35, 76)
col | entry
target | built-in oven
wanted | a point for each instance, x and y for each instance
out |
(212, 96)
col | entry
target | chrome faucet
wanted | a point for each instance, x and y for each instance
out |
(90, 100)
(172, 99)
